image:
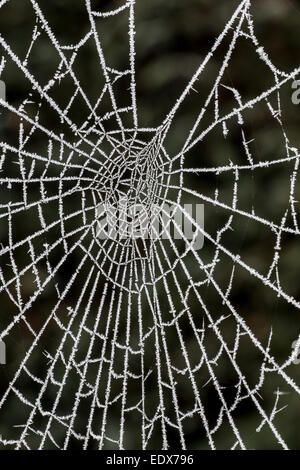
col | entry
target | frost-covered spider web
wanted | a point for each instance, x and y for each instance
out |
(134, 343)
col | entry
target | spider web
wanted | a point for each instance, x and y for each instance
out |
(127, 341)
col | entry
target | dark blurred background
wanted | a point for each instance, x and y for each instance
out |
(172, 39)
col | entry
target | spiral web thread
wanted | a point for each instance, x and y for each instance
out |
(124, 355)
